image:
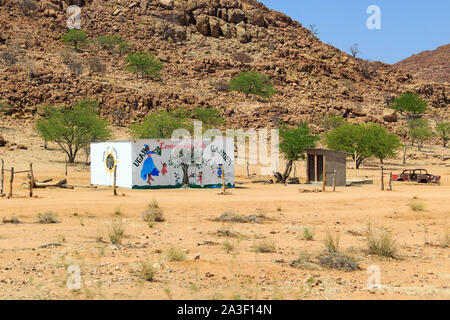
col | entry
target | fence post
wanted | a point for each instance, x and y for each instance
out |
(334, 180)
(115, 177)
(390, 181)
(382, 178)
(3, 176)
(324, 173)
(248, 171)
(66, 169)
(11, 183)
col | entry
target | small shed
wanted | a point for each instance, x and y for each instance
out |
(318, 159)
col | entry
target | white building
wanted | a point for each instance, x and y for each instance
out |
(163, 163)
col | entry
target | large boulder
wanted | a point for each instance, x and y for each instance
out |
(227, 30)
(235, 15)
(242, 33)
(390, 116)
(168, 4)
(214, 25)
(3, 142)
(203, 25)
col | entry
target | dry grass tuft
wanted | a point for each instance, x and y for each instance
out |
(116, 231)
(265, 246)
(175, 254)
(48, 217)
(153, 213)
(332, 243)
(381, 244)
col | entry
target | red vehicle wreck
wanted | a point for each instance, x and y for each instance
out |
(416, 175)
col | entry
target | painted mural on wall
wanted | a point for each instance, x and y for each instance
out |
(174, 164)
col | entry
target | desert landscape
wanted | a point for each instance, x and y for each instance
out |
(220, 259)
(139, 69)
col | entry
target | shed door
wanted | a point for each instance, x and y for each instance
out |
(320, 167)
(311, 168)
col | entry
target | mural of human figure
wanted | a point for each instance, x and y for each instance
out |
(200, 178)
(219, 171)
(164, 169)
(149, 169)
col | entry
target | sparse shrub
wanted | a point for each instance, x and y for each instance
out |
(382, 244)
(336, 260)
(228, 246)
(116, 231)
(265, 246)
(153, 213)
(147, 271)
(279, 209)
(12, 220)
(445, 239)
(231, 216)
(75, 67)
(113, 44)
(227, 232)
(47, 217)
(96, 65)
(28, 5)
(417, 206)
(9, 57)
(221, 86)
(307, 234)
(242, 57)
(118, 212)
(332, 243)
(175, 254)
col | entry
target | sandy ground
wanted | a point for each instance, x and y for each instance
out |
(34, 257)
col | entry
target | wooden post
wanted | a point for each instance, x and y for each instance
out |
(334, 180)
(32, 174)
(390, 181)
(324, 173)
(11, 183)
(356, 170)
(224, 187)
(382, 178)
(295, 170)
(66, 169)
(3, 176)
(248, 171)
(115, 177)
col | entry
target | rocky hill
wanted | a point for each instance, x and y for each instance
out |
(428, 65)
(203, 44)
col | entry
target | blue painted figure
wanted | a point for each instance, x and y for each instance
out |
(219, 171)
(148, 168)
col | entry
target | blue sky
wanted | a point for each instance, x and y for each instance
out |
(407, 27)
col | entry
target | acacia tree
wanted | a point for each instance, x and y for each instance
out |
(73, 128)
(293, 144)
(409, 105)
(364, 140)
(419, 130)
(144, 64)
(443, 131)
(252, 82)
(160, 124)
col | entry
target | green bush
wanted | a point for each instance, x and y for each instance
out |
(75, 38)
(144, 64)
(252, 82)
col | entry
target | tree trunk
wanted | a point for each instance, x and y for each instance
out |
(287, 171)
(185, 168)
(404, 153)
(359, 162)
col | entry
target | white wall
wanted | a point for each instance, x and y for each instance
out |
(120, 153)
(205, 175)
